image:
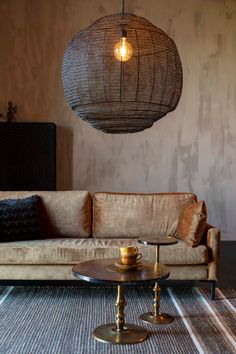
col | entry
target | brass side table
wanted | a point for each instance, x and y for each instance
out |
(156, 317)
(103, 271)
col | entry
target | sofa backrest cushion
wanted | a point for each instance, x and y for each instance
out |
(64, 213)
(124, 215)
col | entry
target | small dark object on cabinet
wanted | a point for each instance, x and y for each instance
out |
(11, 112)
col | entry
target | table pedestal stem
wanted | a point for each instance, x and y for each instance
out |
(119, 332)
(120, 307)
(156, 305)
(156, 317)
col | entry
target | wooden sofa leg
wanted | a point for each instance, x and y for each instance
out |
(213, 289)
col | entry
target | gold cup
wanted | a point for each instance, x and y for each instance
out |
(129, 255)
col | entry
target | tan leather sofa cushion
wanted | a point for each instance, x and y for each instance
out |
(192, 223)
(65, 213)
(120, 215)
(74, 250)
(63, 272)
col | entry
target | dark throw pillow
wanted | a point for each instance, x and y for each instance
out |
(20, 219)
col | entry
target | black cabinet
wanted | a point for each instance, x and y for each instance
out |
(27, 156)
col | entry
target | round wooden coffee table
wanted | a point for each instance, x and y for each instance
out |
(104, 271)
(155, 316)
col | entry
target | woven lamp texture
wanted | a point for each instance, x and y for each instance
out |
(122, 97)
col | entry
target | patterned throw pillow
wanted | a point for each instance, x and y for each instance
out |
(192, 223)
(20, 219)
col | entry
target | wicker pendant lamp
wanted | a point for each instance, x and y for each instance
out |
(121, 74)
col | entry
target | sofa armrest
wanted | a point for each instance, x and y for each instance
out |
(213, 245)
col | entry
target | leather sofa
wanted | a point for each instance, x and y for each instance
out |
(79, 227)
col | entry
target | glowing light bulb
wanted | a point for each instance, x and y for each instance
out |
(123, 50)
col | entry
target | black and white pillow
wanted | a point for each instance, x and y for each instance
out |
(20, 219)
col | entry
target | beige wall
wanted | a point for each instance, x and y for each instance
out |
(191, 149)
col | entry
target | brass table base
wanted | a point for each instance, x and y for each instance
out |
(120, 332)
(156, 317)
(130, 334)
(161, 318)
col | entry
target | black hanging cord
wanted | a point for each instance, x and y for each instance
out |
(123, 33)
(123, 30)
(123, 8)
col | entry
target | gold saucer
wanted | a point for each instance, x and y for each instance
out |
(128, 267)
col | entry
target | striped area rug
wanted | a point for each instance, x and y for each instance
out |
(60, 320)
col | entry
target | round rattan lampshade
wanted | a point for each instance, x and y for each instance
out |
(122, 97)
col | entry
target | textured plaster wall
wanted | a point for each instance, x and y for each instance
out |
(191, 149)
